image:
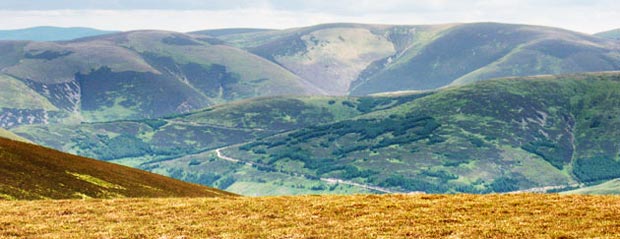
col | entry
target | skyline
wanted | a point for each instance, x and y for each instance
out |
(191, 15)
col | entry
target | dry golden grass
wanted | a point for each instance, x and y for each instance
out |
(363, 216)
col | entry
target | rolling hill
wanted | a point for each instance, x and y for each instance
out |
(362, 59)
(34, 172)
(231, 108)
(229, 31)
(179, 146)
(151, 74)
(331, 56)
(131, 75)
(202, 130)
(492, 136)
(46, 33)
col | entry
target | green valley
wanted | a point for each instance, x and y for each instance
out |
(492, 136)
(179, 146)
(332, 108)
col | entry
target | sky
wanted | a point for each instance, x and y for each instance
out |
(588, 16)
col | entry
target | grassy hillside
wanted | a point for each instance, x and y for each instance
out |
(333, 56)
(472, 52)
(362, 216)
(132, 75)
(161, 145)
(201, 130)
(33, 172)
(20, 104)
(363, 59)
(150, 74)
(50, 33)
(607, 188)
(493, 136)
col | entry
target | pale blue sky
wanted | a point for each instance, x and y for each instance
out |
(186, 15)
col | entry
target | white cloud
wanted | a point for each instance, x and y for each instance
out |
(584, 16)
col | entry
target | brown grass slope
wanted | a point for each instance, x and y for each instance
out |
(33, 172)
(10, 135)
(362, 216)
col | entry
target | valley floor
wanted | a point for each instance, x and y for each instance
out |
(361, 216)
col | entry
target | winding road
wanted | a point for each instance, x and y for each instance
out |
(377, 188)
(327, 180)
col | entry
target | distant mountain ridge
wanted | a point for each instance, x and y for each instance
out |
(148, 74)
(229, 31)
(361, 59)
(131, 75)
(48, 33)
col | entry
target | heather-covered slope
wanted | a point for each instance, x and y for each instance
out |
(34, 172)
